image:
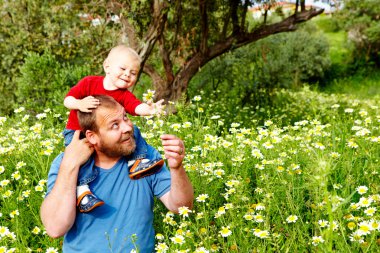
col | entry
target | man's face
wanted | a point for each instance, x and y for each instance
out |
(115, 136)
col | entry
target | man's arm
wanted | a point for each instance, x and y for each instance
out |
(181, 191)
(58, 210)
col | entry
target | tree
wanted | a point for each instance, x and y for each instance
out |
(185, 35)
(362, 21)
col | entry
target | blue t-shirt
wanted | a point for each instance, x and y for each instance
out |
(127, 212)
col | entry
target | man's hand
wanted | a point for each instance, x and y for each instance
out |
(174, 150)
(88, 103)
(79, 150)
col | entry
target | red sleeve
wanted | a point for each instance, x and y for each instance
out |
(77, 91)
(130, 103)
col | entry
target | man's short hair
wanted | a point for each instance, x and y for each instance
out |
(87, 120)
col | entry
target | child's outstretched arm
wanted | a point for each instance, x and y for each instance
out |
(146, 109)
(83, 105)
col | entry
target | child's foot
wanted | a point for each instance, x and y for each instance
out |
(87, 201)
(144, 167)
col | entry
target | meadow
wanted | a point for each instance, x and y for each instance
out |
(301, 175)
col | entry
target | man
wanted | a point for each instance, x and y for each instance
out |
(128, 213)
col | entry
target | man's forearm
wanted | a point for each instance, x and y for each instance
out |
(58, 210)
(181, 192)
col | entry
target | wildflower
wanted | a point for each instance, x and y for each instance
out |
(292, 219)
(221, 210)
(319, 145)
(257, 153)
(159, 236)
(2, 169)
(4, 182)
(351, 225)
(362, 189)
(351, 144)
(259, 206)
(202, 198)
(317, 240)
(51, 250)
(356, 237)
(365, 202)
(186, 124)
(18, 110)
(200, 109)
(370, 211)
(14, 213)
(41, 116)
(178, 239)
(7, 194)
(323, 223)
(268, 145)
(374, 224)
(26, 193)
(36, 230)
(184, 211)
(261, 233)
(225, 232)
(364, 228)
(197, 98)
(248, 216)
(161, 247)
(258, 218)
(201, 250)
(39, 188)
(3, 249)
(4, 231)
(176, 126)
(2, 120)
(268, 123)
(20, 165)
(16, 175)
(349, 110)
(149, 96)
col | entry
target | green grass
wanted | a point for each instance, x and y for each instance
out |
(282, 180)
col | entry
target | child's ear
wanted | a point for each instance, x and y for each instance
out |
(106, 66)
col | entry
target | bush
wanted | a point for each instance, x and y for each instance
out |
(279, 61)
(44, 81)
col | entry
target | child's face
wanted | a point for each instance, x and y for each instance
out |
(122, 69)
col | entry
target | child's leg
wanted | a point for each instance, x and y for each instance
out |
(86, 200)
(68, 135)
(139, 165)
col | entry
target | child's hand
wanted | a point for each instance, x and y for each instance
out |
(158, 108)
(88, 103)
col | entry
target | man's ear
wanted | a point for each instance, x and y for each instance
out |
(92, 137)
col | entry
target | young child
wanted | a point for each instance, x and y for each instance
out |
(121, 68)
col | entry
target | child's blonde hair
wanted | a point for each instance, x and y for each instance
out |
(117, 49)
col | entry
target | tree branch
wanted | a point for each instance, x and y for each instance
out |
(154, 31)
(204, 26)
(165, 55)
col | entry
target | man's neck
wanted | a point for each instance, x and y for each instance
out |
(105, 162)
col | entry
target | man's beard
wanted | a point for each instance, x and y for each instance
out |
(118, 149)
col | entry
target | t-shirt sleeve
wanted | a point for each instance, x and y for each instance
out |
(161, 181)
(130, 103)
(53, 173)
(77, 90)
